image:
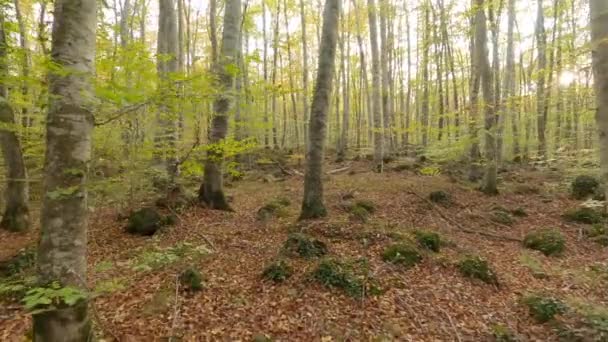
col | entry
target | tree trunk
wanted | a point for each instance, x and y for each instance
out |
(509, 80)
(425, 72)
(16, 213)
(376, 92)
(384, 60)
(599, 46)
(63, 234)
(275, 55)
(342, 148)
(312, 204)
(541, 119)
(304, 72)
(211, 191)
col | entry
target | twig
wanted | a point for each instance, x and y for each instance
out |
(121, 112)
(452, 324)
(175, 309)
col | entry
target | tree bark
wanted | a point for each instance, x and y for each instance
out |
(312, 204)
(541, 122)
(376, 91)
(211, 192)
(62, 246)
(304, 71)
(16, 213)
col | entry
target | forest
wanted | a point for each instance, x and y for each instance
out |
(304, 170)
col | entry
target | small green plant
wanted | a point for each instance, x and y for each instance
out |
(110, 286)
(344, 276)
(40, 299)
(584, 215)
(402, 254)
(502, 217)
(534, 265)
(428, 240)
(156, 258)
(15, 289)
(361, 209)
(278, 271)
(476, 267)
(145, 221)
(440, 197)
(22, 261)
(502, 333)
(304, 246)
(547, 241)
(583, 186)
(191, 279)
(275, 208)
(543, 308)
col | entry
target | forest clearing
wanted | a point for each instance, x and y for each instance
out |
(304, 170)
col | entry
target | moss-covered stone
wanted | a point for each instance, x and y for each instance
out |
(428, 240)
(302, 245)
(361, 209)
(584, 215)
(440, 197)
(402, 254)
(547, 241)
(275, 208)
(584, 186)
(476, 267)
(542, 308)
(191, 279)
(278, 271)
(145, 221)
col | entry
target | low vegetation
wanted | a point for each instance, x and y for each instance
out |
(402, 254)
(543, 308)
(278, 271)
(550, 242)
(584, 186)
(302, 245)
(476, 267)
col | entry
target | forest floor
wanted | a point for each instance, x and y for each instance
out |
(140, 297)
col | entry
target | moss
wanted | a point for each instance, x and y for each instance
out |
(261, 338)
(313, 210)
(596, 230)
(145, 221)
(583, 215)
(274, 208)
(402, 254)
(22, 261)
(584, 186)
(191, 279)
(428, 240)
(502, 217)
(278, 271)
(304, 246)
(476, 267)
(367, 205)
(440, 197)
(542, 308)
(519, 212)
(343, 275)
(502, 333)
(547, 241)
(361, 209)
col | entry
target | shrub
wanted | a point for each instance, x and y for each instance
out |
(583, 186)
(547, 241)
(337, 274)
(402, 254)
(191, 279)
(440, 197)
(145, 221)
(362, 209)
(304, 246)
(544, 309)
(277, 271)
(584, 215)
(428, 240)
(476, 267)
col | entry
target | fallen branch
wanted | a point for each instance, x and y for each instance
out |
(338, 170)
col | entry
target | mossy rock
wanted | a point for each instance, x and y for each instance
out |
(584, 186)
(584, 215)
(502, 217)
(346, 277)
(402, 254)
(441, 197)
(145, 221)
(23, 261)
(428, 240)
(543, 308)
(274, 208)
(547, 241)
(278, 271)
(476, 267)
(304, 246)
(191, 279)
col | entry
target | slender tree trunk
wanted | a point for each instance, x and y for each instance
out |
(474, 152)
(342, 148)
(275, 55)
(312, 204)
(599, 46)
(62, 246)
(211, 191)
(304, 71)
(26, 65)
(384, 60)
(541, 120)
(265, 72)
(16, 214)
(425, 72)
(376, 92)
(509, 81)
(292, 84)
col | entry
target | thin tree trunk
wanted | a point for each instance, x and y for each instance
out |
(509, 81)
(541, 119)
(275, 55)
(292, 84)
(376, 92)
(343, 147)
(62, 246)
(304, 71)
(312, 204)
(425, 72)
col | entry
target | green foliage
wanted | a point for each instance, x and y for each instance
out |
(428, 240)
(402, 254)
(430, 171)
(502, 217)
(276, 207)
(110, 286)
(534, 265)
(50, 297)
(304, 246)
(63, 193)
(543, 308)
(440, 197)
(550, 242)
(350, 278)
(502, 333)
(476, 267)
(158, 258)
(191, 279)
(584, 215)
(24, 260)
(16, 288)
(278, 271)
(145, 221)
(361, 209)
(584, 186)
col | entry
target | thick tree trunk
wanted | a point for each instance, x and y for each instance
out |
(211, 192)
(63, 237)
(312, 205)
(599, 46)
(16, 214)
(376, 92)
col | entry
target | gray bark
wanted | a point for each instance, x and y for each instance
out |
(376, 92)
(304, 71)
(541, 122)
(312, 204)
(63, 237)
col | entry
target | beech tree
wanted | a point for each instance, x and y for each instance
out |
(62, 248)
